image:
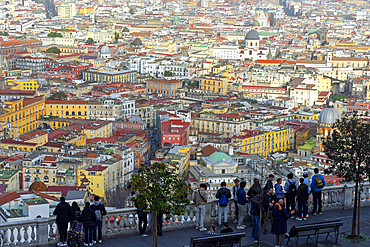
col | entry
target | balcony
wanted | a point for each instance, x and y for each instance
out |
(337, 204)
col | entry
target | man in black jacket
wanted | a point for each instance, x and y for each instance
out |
(97, 206)
(223, 209)
(88, 218)
(64, 213)
(268, 202)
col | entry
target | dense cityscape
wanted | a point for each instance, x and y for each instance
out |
(246, 102)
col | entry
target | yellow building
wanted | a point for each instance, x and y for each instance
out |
(253, 142)
(215, 111)
(180, 155)
(101, 129)
(323, 84)
(307, 115)
(97, 177)
(23, 114)
(87, 10)
(23, 84)
(64, 42)
(264, 141)
(214, 84)
(10, 178)
(39, 137)
(18, 145)
(67, 109)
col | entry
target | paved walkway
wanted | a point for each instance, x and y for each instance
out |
(179, 238)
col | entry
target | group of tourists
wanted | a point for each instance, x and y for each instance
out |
(90, 219)
(273, 202)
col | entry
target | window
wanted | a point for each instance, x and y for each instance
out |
(223, 171)
(97, 185)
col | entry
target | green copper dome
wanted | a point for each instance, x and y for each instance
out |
(176, 18)
(256, 23)
(218, 156)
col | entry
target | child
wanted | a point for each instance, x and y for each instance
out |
(212, 231)
(74, 237)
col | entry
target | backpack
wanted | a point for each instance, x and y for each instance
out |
(304, 192)
(319, 182)
(98, 215)
(78, 216)
(292, 189)
(223, 200)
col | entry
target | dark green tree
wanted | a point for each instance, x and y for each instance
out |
(5, 33)
(161, 189)
(55, 34)
(7, 15)
(54, 50)
(116, 36)
(90, 41)
(132, 11)
(348, 148)
(168, 73)
(58, 96)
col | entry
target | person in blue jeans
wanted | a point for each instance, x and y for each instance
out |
(316, 188)
(88, 218)
(302, 197)
(98, 207)
(255, 211)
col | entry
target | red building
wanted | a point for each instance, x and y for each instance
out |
(74, 69)
(14, 46)
(174, 133)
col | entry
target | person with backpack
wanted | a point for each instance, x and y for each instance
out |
(302, 197)
(223, 195)
(200, 200)
(278, 189)
(76, 216)
(254, 189)
(317, 184)
(99, 211)
(88, 218)
(242, 205)
(290, 188)
(235, 198)
(64, 214)
(268, 202)
(308, 183)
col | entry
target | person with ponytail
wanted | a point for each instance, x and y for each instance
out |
(279, 224)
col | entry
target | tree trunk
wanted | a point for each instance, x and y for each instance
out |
(353, 231)
(358, 215)
(155, 230)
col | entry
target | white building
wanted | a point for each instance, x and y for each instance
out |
(227, 51)
(252, 49)
(128, 108)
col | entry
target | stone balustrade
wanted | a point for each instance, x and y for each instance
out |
(118, 222)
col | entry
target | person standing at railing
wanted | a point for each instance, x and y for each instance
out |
(235, 189)
(291, 188)
(223, 195)
(242, 205)
(302, 197)
(200, 200)
(308, 183)
(64, 213)
(99, 211)
(76, 216)
(88, 219)
(142, 214)
(317, 184)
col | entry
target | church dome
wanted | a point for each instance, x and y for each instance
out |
(252, 35)
(176, 18)
(166, 14)
(256, 23)
(219, 156)
(329, 116)
(125, 30)
(105, 50)
(137, 42)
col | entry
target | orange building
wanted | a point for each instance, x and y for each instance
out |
(163, 86)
